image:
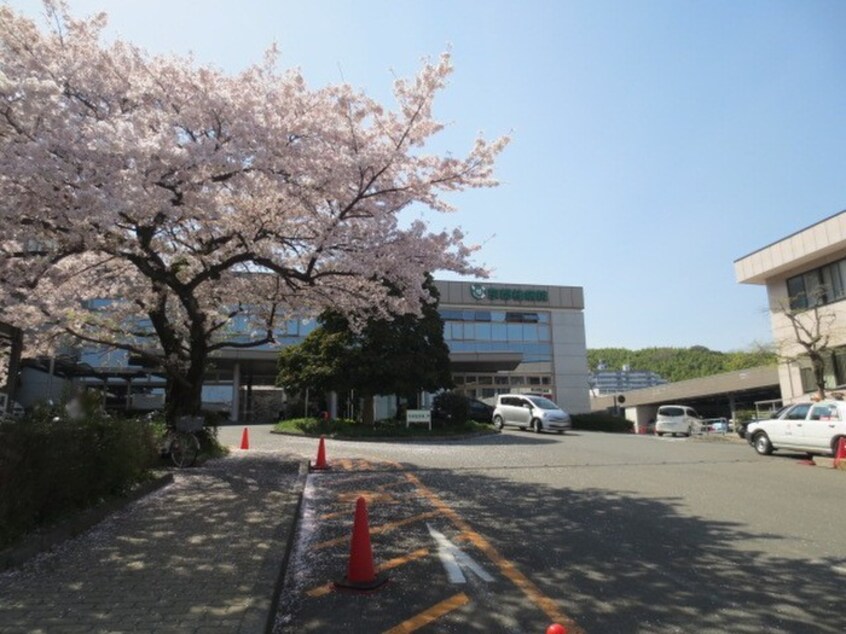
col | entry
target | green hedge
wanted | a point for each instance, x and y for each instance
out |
(49, 469)
(599, 421)
(387, 428)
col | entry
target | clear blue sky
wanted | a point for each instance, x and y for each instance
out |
(654, 142)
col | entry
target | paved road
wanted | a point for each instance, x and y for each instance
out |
(615, 533)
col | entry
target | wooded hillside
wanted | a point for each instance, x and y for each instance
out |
(678, 364)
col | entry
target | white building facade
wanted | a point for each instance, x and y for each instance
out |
(805, 276)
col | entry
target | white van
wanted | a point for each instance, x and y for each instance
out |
(677, 419)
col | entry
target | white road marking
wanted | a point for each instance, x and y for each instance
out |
(453, 559)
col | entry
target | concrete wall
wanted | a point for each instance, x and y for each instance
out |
(569, 357)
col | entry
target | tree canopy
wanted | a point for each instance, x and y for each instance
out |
(403, 355)
(679, 364)
(168, 209)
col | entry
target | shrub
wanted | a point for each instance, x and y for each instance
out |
(600, 421)
(450, 408)
(50, 468)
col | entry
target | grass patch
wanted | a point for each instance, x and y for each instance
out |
(390, 428)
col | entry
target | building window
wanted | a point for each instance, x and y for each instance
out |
(819, 286)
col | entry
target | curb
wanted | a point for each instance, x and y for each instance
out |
(39, 542)
(477, 434)
(289, 546)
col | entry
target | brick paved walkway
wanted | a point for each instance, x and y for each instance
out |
(200, 555)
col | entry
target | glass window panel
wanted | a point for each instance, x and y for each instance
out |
(497, 315)
(515, 332)
(483, 332)
(796, 292)
(530, 333)
(470, 331)
(499, 332)
(831, 281)
(814, 288)
(543, 318)
(482, 315)
(467, 315)
(543, 333)
(501, 380)
(517, 380)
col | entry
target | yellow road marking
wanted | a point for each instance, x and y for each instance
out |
(532, 592)
(432, 614)
(396, 562)
(383, 528)
(348, 498)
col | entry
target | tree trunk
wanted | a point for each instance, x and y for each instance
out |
(367, 414)
(184, 392)
(818, 366)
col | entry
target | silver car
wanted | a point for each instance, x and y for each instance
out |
(528, 411)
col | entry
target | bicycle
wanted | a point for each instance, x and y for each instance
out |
(181, 441)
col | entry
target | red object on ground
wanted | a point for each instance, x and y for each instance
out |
(245, 439)
(556, 628)
(321, 456)
(840, 454)
(361, 575)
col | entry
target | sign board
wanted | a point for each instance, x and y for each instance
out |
(480, 292)
(418, 417)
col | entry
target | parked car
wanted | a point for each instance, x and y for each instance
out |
(715, 425)
(741, 426)
(476, 410)
(677, 419)
(530, 412)
(480, 411)
(812, 427)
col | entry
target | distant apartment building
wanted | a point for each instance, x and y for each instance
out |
(804, 270)
(604, 381)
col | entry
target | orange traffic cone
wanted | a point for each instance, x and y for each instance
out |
(321, 457)
(361, 575)
(245, 439)
(840, 454)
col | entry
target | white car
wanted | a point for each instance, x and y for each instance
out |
(528, 411)
(677, 419)
(807, 427)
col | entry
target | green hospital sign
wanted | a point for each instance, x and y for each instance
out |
(480, 292)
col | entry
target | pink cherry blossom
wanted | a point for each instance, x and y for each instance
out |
(193, 198)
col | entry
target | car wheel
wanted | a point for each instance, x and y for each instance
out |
(689, 432)
(537, 426)
(560, 431)
(497, 421)
(660, 434)
(762, 444)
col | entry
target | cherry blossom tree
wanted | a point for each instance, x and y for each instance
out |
(168, 209)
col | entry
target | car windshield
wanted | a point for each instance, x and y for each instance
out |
(670, 411)
(543, 403)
